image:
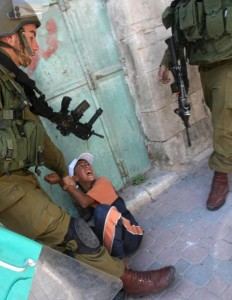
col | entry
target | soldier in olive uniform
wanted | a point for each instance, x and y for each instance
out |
(24, 207)
(204, 29)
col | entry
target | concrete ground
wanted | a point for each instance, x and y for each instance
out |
(180, 231)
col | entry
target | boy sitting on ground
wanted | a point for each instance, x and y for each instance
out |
(112, 221)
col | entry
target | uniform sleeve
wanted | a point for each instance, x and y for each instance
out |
(167, 19)
(102, 191)
(166, 58)
(54, 159)
(1, 98)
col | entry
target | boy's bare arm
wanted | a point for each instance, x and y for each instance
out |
(78, 196)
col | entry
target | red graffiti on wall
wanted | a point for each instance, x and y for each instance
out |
(52, 41)
(52, 45)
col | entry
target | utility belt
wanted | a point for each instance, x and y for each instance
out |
(11, 114)
(15, 172)
(208, 67)
(21, 172)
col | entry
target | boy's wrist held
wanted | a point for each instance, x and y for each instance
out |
(66, 187)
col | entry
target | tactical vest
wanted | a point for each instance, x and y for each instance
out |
(204, 27)
(21, 132)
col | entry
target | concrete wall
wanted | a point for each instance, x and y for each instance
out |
(140, 37)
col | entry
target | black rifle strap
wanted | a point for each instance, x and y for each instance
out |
(38, 105)
(20, 76)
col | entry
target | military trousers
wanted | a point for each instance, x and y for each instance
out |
(216, 82)
(26, 208)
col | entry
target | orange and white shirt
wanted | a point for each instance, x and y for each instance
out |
(102, 192)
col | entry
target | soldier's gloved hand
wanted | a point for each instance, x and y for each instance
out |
(52, 178)
(163, 75)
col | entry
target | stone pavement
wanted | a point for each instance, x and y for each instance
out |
(180, 231)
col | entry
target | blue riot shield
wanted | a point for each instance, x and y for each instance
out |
(30, 271)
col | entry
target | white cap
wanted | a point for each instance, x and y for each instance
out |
(86, 156)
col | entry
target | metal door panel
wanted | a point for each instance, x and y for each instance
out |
(122, 124)
(99, 54)
(84, 64)
(89, 22)
(57, 69)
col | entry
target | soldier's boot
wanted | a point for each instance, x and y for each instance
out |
(219, 191)
(138, 284)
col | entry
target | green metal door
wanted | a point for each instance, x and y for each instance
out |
(79, 58)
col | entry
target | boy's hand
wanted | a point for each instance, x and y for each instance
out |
(67, 182)
(52, 178)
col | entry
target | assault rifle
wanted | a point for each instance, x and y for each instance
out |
(68, 122)
(180, 86)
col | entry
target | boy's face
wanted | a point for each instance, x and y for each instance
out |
(83, 172)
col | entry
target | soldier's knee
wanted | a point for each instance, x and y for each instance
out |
(81, 232)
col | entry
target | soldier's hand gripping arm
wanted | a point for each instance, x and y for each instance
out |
(54, 161)
(78, 197)
(68, 181)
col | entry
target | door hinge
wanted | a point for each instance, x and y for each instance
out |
(123, 170)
